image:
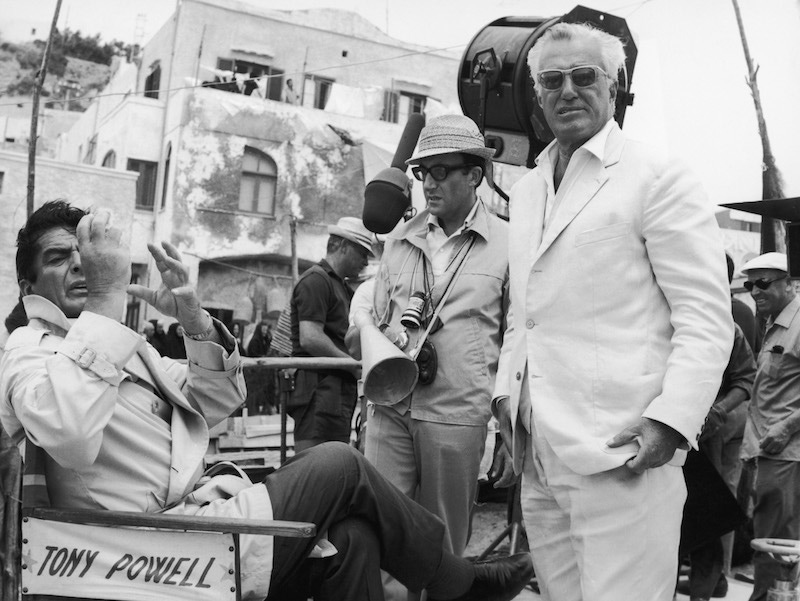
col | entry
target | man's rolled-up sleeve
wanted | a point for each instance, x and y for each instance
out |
(214, 384)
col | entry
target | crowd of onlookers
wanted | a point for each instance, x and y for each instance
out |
(169, 342)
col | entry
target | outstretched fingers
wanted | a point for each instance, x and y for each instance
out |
(142, 292)
(168, 259)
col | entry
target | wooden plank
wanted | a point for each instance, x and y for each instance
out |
(174, 522)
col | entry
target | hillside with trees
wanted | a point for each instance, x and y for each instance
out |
(79, 67)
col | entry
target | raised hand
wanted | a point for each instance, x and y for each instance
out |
(174, 297)
(106, 263)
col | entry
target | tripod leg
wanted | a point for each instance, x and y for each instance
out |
(495, 542)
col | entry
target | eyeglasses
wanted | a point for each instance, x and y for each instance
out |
(438, 172)
(583, 77)
(760, 283)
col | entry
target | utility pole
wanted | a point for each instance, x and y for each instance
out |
(37, 90)
(773, 231)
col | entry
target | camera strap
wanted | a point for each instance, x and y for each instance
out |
(439, 305)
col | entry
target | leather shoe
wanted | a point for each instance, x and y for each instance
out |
(499, 579)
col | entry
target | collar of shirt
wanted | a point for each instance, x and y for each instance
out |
(415, 230)
(439, 242)
(594, 148)
(329, 270)
(786, 316)
(596, 145)
(38, 307)
(433, 221)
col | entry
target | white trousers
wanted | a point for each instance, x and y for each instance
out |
(611, 536)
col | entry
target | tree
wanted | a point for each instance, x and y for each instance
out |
(773, 234)
(89, 48)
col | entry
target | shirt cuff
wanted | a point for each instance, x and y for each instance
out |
(205, 356)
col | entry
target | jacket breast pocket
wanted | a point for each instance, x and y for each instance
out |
(601, 234)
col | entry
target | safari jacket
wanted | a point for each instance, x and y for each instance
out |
(473, 317)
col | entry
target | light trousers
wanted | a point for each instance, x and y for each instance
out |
(611, 536)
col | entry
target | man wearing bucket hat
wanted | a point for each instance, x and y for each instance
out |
(772, 431)
(443, 278)
(323, 401)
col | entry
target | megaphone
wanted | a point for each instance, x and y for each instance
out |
(388, 374)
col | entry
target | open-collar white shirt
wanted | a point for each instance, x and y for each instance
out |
(592, 150)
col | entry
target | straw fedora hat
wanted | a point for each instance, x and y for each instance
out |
(352, 229)
(450, 133)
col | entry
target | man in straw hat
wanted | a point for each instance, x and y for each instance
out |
(772, 431)
(323, 401)
(443, 278)
(621, 329)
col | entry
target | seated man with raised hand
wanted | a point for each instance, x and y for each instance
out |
(125, 429)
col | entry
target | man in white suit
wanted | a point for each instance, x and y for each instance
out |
(620, 332)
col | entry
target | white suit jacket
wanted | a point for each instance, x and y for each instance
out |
(620, 310)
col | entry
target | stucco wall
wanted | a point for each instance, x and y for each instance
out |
(320, 178)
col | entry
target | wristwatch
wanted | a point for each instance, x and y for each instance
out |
(207, 333)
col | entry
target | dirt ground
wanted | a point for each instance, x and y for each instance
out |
(488, 523)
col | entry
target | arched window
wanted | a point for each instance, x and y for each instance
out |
(110, 160)
(259, 179)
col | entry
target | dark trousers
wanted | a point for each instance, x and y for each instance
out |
(776, 514)
(370, 522)
(722, 450)
(706, 571)
(322, 406)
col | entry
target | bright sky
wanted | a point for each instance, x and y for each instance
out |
(689, 80)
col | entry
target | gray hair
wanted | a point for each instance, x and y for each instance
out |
(612, 49)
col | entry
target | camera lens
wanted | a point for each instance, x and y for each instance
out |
(412, 316)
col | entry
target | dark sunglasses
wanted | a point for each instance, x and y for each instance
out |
(438, 172)
(583, 77)
(760, 283)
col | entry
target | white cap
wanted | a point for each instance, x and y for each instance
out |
(767, 261)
